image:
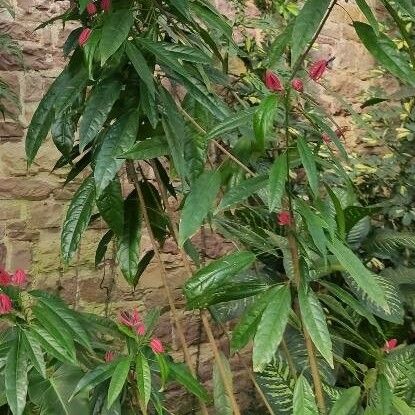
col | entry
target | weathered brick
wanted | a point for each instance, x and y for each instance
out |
(27, 188)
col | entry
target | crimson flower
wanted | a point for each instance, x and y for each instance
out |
(4, 277)
(109, 356)
(19, 278)
(272, 82)
(297, 84)
(317, 69)
(133, 320)
(156, 345)
(284, 218)
(105, 5)
(5, 304)
(84, 36)
(91, 9)
(390, 345)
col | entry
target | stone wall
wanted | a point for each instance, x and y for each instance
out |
(33, 201)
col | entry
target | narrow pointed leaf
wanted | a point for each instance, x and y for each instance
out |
(147, 149)
(34, 352)
(271, 328)
(303, 401)
(307, 159)
(277, 178)
(264, 118)
(143, 380)
(118, 380)
(102, 247)
(222, 401)
(346, 402)
(77, 218)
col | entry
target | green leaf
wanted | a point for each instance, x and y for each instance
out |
(51, 395)
(279, 45)
(307, 159)
(387, 242)
(306, 25)
(93, 378)
(367, 11)
(119, 137)
(237, 120)
(63, 132)
(198, 204)
(34, 351)
(315, 322)
(346, 402)
(402, 407)
(103, 246)
(244, 189)
(277, 178)
(141, 67)
(246, 327)
(264, 118)
(15, 377)
(303, 400)
(142, 265)
(147, 149)
(97, 109)
(181, 374)
(385, 51)
(118, 380)
(143, 374)
(115, 30)
(200, 288)
(222, 401)
(407, 6)
(61, 94)
(360, 274)
(77, 218)
(353, 214)
(128, 253)
(82, 5)
(110, 206)
(271, 328)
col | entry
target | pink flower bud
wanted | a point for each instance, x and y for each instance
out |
(284, 218)
(105, 5)
(326, 138)
(297, 84)
(140, 329)
(4, 277)
(272, 82)
(317, 69)
(156, 345)
(91, 8)
(19, 278)
(5, 304)
(390, 345)
(109, 356)
(84, 36)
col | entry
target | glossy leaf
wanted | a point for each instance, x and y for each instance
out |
(181, 374)
(142, 266)
(198, 204)
(221, 399)
(118, 380)
(264, 118)
(277, 178)
(360, 274)
(307, 159)
(315, 323)
(77, 218)
(147, 149)
(367, 11)
(306, 25)
(200, 288)
(118, 138)
(143, 374)
(63, 132)
(110, 206)
(241, 191)
(34, 351)
(303, 400)
(15, 377)
(102, 247)
(271, 328)
(128, 254)
(115, 31)
(346, 402)
(97, 109)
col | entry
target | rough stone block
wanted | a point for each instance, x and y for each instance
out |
(27, 188)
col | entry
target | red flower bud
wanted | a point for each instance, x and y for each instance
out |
(284, 218)
(317, 69)
(105, 5)
(156, 345)
(297, 84)
(4, 277)
(272, 82)
(19, 278)
(84, 36)
(140, 329)
(109, 356)
(91, 8)
(5, 304)
(390, 345)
